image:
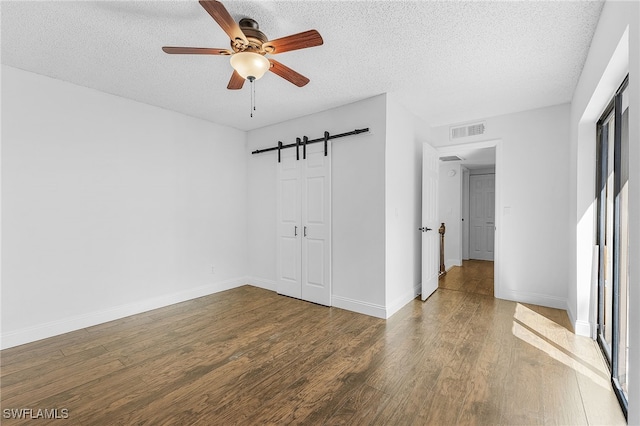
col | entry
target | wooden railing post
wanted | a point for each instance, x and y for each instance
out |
(441, 231)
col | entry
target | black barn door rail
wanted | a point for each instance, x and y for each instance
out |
(306, 141)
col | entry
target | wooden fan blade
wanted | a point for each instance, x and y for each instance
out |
(236, 81)
(219, 13)
(302, 40)
(196, 51)
(287, 73)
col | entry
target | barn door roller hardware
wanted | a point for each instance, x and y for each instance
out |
(306, 141)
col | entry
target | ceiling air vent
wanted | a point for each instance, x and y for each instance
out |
(451, 158)
(467, 130)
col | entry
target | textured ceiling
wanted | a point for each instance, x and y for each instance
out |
(445, 61)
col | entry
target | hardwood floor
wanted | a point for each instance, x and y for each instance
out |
(248, 356)
(474, 276)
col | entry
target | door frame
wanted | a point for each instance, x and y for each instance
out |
(610, 350)
(497, 144)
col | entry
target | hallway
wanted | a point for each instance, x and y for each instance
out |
(474, 276)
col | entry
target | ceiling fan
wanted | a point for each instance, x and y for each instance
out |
(249, 46)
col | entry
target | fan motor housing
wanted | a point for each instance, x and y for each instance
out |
(252, 32)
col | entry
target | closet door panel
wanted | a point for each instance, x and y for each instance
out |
(315, 200)
(316, 217)
(289, 256)
(315, 275)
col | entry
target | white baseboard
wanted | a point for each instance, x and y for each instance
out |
(42, 331)
(581, 328)
(262, 283)
(400, 302)
(359, 306)
(533, 298)
(450, 263)
(352, 305)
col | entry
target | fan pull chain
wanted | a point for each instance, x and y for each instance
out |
(253, 96)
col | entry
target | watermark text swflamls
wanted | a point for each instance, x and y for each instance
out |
(35, 413)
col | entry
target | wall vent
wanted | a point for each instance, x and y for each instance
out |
(467, 130)
(451, 158)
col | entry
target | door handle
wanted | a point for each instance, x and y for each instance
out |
(295, 231)
(305, 231)
(425, 229)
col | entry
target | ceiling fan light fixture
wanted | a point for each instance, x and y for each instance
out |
(250, 65)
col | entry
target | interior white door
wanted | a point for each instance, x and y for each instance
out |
(289, 240)
(316, 229)
(482, 195)
(430, 254)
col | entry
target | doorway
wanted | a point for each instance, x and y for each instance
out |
(481, 160)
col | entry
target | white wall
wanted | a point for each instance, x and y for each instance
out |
(614, 51)
(111, 207)
(358, 193)
(532, 189)
(403, 210)
(450, 211)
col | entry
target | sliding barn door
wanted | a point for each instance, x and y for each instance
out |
(316, 233)
(304, 224)
(289, 253)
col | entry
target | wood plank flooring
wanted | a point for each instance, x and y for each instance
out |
(474, 276)
(248, 356)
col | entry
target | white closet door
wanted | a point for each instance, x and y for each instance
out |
(289, 238)
(316, 220)
(482, 213)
